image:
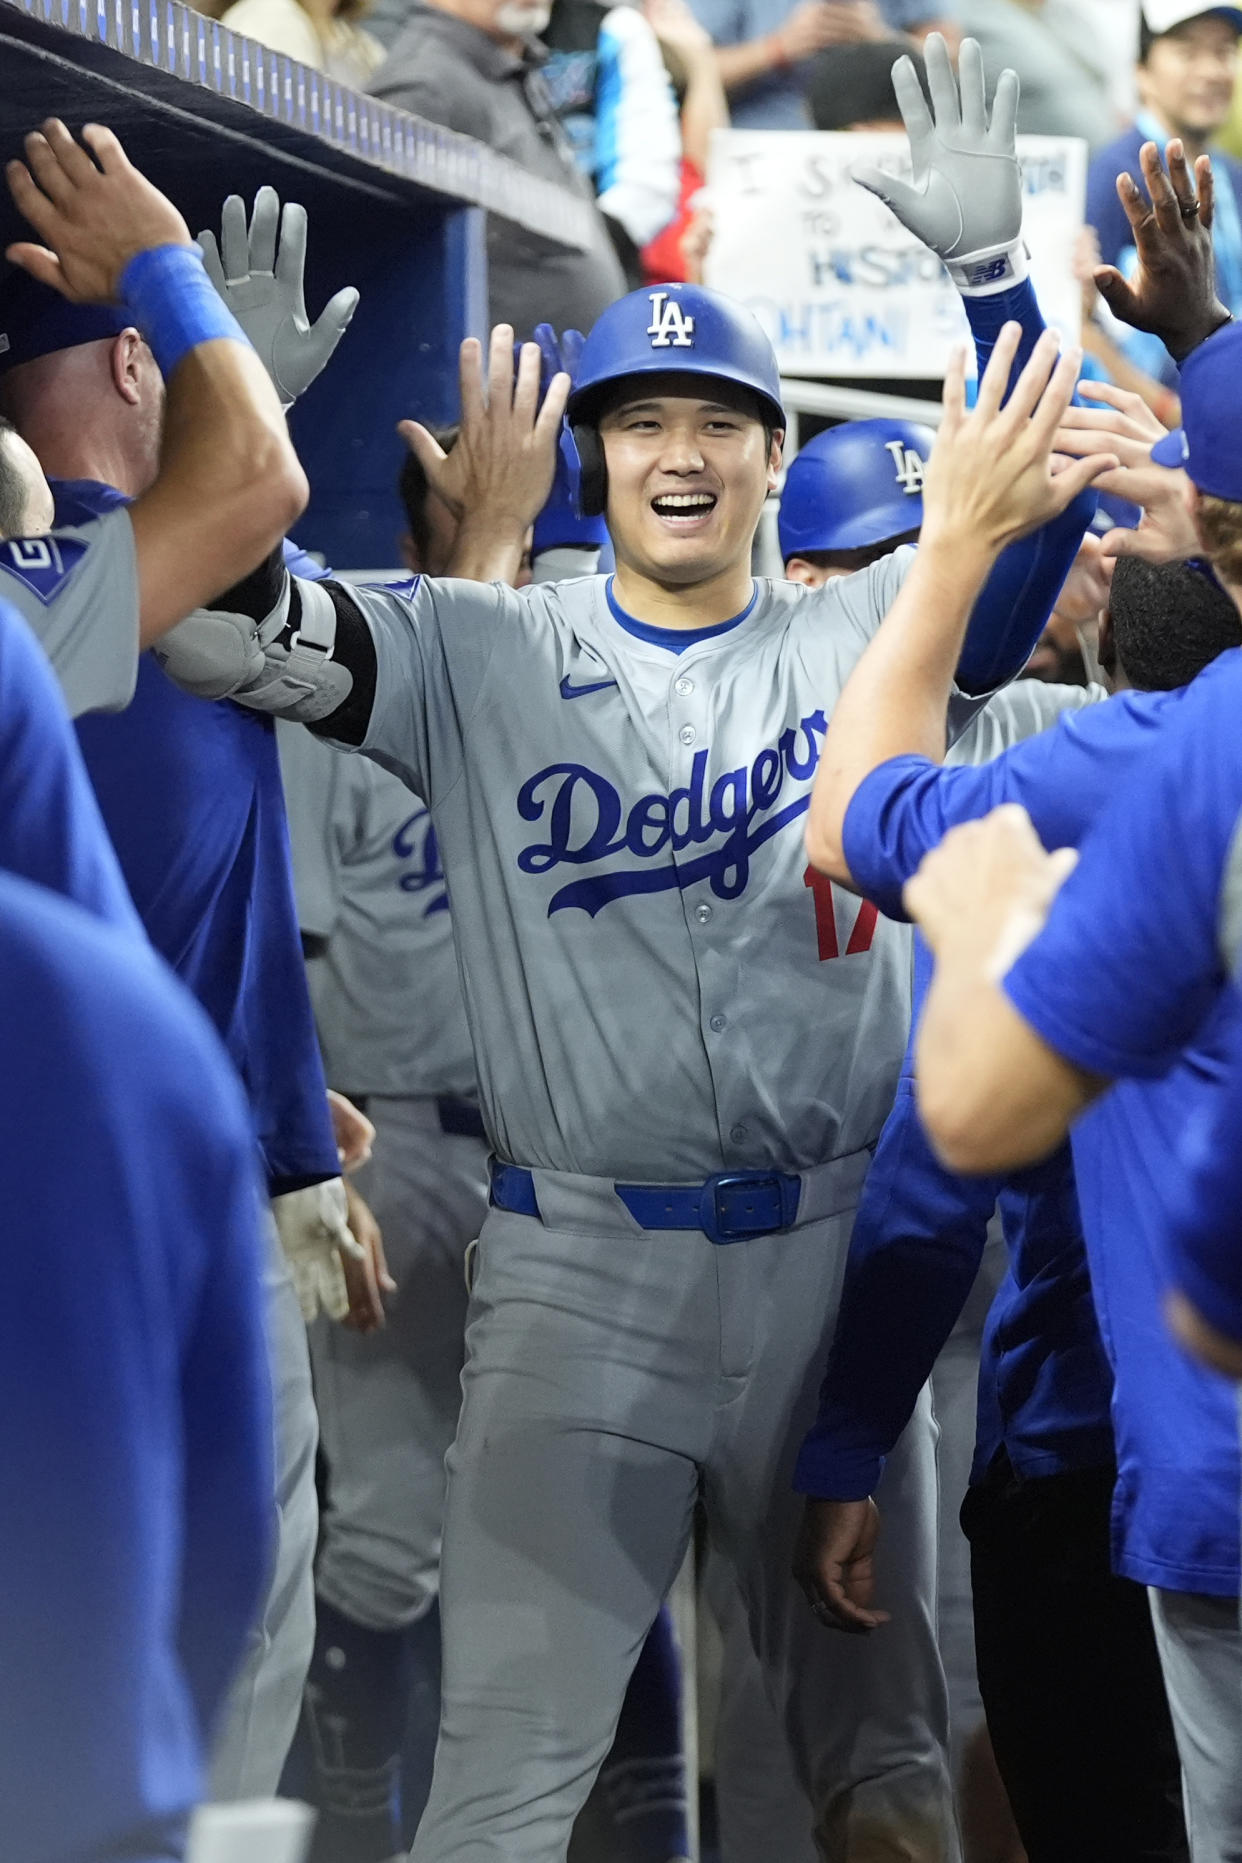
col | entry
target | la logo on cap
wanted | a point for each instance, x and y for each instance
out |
(670, 328)
(910, 468)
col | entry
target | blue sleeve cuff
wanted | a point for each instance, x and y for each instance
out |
(826, 1472)
(878, 855)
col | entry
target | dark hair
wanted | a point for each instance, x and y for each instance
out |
(850, 84)
(14, 488)
(1169, 621)
(412, 490)
(852, 560)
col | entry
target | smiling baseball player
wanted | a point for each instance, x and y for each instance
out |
(684, 1048)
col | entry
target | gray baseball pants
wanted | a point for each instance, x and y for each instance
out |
(611, 1373)
(388, 1402)
(261, 1712)
(1200, 1647)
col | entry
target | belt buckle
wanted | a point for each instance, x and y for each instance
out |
(735, 1205)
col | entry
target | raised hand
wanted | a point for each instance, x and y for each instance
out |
(991, 477)
(260, 278)
(500, 471)
(966, 198)
(1127, 427)
(91, 207)
(1173, 293)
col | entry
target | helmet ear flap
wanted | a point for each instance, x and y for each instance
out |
(593, 476)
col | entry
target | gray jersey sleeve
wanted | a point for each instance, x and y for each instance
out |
(78, 589)
(435, 641)
(1017, 712)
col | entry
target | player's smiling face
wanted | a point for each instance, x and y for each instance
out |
(687, 477)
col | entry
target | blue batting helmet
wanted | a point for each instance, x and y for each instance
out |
(663, 330)
(855, 486)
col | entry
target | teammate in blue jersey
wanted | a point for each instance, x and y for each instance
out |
(615, 770)
(135, 1409)
(1044, 1384)
(1148, 1007)
(1176, 1505)
(224, 481)
(190, 793)
(1090, 1766)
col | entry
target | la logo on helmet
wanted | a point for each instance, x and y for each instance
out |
(910, 468)
(670, 328)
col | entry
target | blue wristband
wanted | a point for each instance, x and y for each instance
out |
(175, 304)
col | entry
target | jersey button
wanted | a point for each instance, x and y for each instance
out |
(703, 913)
(684, 688)
(737, 1134)
(719, 1023)
(687, 734)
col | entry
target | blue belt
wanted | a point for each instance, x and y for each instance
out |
(729, 1207)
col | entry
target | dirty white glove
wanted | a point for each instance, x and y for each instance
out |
(966, 198)
(314, 1233)
(263, 289)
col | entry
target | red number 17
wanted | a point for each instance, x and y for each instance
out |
(826, 919)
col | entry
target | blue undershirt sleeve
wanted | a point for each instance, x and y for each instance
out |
(1021, 591)
(917, 1243)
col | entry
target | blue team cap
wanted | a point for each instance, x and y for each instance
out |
(1209, 441)
(37, 321)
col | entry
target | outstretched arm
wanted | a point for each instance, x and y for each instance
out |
(914, 1253)
(989, 481)
(1175, 289)
(965, 203)
(302, 650)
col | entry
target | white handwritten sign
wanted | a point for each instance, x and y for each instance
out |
(839, 285)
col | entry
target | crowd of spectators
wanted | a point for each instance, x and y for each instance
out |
(619, 102)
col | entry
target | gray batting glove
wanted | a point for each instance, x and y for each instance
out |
(314, 1231)
(263, 289)
(966, 198)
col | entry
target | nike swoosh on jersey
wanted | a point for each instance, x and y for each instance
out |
(569, 691)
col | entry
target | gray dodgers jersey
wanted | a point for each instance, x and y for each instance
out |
(656, 986)
(366, 866)
(78, 589)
